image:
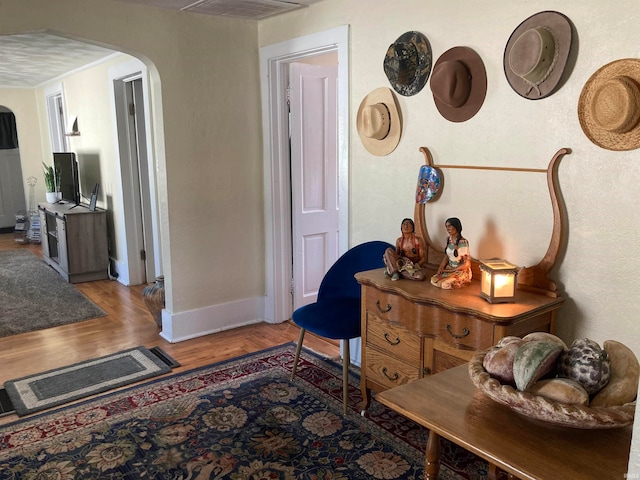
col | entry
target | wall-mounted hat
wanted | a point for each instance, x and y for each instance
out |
(537, 53)
(407, 63)
(609, 105)
(459, 84)
(379, 122)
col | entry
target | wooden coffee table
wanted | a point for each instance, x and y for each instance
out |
(450, 406)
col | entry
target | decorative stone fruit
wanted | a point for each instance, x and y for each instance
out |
(533, 360)
(586, 363)
(625, 372)
(546, 337)
(498, 362)
(562, 390)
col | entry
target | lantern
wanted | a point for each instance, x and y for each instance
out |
(498, 280)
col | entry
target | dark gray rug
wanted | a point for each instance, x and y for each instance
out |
(63, 385)
(33, 296)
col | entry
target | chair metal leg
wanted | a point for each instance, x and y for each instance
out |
(345, 375)
(298, 350)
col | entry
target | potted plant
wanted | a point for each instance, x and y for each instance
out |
(52, 183)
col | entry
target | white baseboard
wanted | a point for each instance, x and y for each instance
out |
(121, 270)
(214, 318)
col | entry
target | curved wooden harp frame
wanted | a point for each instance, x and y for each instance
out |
(534, 278)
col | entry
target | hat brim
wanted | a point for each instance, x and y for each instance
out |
(475, 66)
(629, 67)
(389, 143)
(561, 27)
(423, 68)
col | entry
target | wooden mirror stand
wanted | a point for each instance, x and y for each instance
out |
(534, 278)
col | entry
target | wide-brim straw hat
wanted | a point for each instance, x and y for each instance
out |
(379, 122)
(459, 84)
(537, 54)
(609, 105)
(407, 63)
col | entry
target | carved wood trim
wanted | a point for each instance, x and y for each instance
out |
(534, 278)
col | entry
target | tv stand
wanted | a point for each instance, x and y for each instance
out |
(74, 242)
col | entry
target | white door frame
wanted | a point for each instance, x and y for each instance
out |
(130, 269)
(56, 115)
(274, 60)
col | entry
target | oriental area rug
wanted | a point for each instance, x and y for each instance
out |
(34, 297)
(239, 419)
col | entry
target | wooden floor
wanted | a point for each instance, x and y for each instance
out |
(128, 324)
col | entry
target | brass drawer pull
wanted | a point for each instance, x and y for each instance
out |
(388, 309)
(395, 375)
(465, 332)
(394, 342)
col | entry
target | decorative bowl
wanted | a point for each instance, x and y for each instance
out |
(540, 408)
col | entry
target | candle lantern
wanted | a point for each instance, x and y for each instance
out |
(498, 280)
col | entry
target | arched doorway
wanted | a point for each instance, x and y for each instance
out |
(120, 189)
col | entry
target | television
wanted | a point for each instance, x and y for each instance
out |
(67, 164)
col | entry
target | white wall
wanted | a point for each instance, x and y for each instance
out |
(205, 98)
(597, 271)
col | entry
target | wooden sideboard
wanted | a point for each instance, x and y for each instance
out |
(411, 329)
(74, 241)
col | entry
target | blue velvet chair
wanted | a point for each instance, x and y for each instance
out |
(336, 312)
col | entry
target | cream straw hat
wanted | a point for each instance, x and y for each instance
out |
(379, 122)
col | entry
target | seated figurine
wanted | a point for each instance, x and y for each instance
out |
(455, 269)
(409, 256)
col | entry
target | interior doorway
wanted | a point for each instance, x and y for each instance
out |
(12, 195)
(274, 65)
(131, 104)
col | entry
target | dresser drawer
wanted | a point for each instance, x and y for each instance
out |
(394, 340)
(387, 371)
(389, 307)
(446, 356)
(463, 331)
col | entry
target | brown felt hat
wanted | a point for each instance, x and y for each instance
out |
(537, 53)
(609, 105)
(459, 84)
(379, 122)
(407, 63)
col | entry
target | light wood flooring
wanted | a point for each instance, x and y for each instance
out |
(128, 324)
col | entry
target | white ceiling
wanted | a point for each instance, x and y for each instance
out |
(29, 60)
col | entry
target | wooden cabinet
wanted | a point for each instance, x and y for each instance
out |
(74, 241)
(412, 329)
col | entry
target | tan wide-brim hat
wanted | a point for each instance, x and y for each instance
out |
(379, 122)
(537, 54)
(609, 105)
(459, 84)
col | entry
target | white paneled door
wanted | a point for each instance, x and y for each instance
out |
(314, 177)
